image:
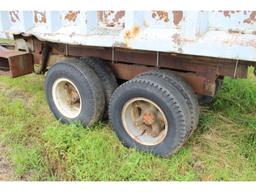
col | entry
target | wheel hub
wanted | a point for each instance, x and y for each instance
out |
(147, 123)
(67, 97)
(73, 96)
(149, 117)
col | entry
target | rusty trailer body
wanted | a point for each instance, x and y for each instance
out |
(202, 47)
(221, 34)
(205, 44)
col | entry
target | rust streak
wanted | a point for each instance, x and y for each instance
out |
(132, 33)
(177, 17)
(72, 15)
(14, 16)
(251, 19)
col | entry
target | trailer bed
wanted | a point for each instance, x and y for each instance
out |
(220, 34)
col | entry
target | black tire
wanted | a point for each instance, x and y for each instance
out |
(170, 103)
(174, 91)
(88, 85)
(106, 77)
(185, 90)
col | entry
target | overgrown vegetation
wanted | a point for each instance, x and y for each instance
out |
(222, 148)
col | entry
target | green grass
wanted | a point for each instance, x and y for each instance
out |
(6, 40)
(222, 148)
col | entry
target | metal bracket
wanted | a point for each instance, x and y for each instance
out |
(235, 68)
(157, 59)
(113, 55)
(66, 49)
(45, 57)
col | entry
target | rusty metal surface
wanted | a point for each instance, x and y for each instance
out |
(200, 84)
(219, 34)
(199, 75)
(196, 64)
(15, 63)
(8, 45)
(200, 72)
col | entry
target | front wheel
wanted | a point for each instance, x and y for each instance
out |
(74, 92)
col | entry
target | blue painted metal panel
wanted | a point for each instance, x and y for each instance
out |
(224, 34)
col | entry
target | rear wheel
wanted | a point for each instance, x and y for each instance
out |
(184, 89)
(105, 75)
(148, 115)
(74, 92)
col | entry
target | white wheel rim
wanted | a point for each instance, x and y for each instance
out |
(139, 125)
(66, 98)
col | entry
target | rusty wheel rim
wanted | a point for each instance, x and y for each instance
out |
(144, 121)
(67, 98)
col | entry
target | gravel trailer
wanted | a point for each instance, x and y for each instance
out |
(144, 70)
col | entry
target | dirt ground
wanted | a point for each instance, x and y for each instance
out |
(6, 173)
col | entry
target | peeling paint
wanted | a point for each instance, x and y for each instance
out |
(177, 17)
(14, 16)
(251, 19)
(119, 15)
(40, 16)
(160, 15)
(111, 18)
(229, 13)
(178, 39)
(71, 15)
(226, 13)
(221, 37)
